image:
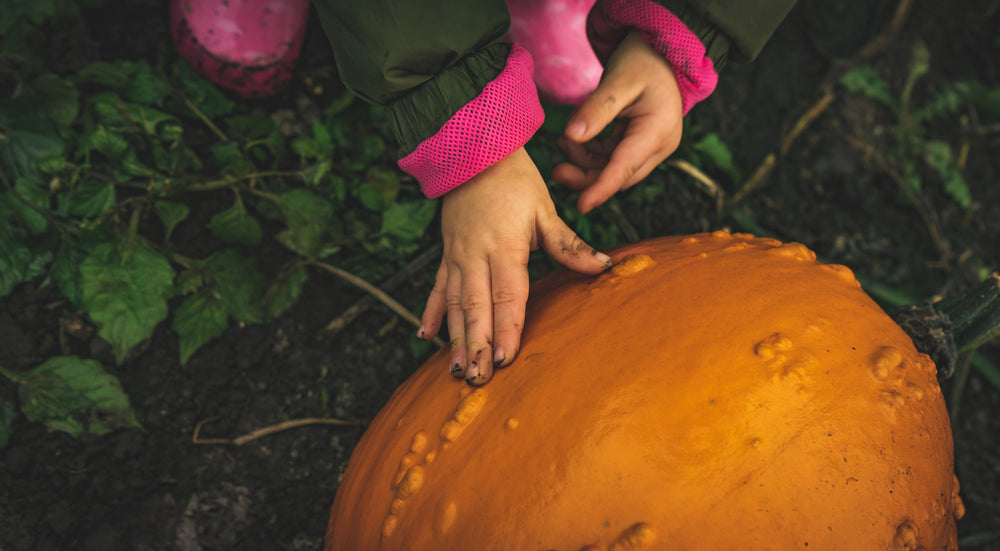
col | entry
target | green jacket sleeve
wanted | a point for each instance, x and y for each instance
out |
(421, 59)
(731, 29)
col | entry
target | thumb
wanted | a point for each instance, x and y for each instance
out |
(600, 108)
(568, 249)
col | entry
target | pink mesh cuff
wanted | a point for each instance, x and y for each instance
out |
(610, 21)
(502, 118)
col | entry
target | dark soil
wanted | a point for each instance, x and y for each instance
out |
(155, 489)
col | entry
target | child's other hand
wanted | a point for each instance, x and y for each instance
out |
(490, 224)
(638, 86)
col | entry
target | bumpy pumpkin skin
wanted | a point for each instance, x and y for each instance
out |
(713, 391)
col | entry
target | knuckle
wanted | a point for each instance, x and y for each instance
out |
(472, 303)
(504, 295)
(575, 246)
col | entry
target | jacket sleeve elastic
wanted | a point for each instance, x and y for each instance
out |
(735, 30)
(457, 98)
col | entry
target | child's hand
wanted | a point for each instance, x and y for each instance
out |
(639, 86)
(490, 224)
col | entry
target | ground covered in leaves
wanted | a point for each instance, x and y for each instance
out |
(841, 182)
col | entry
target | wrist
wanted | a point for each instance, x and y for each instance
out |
(611, 20)
(501, 119)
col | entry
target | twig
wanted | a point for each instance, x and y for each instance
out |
(631, 234)
(259, 433)
(347, 316)
(208, 122)
(807, 119)
(925, 210)
(375, 292)
(818, 107)
(751, 185)
(713, 189)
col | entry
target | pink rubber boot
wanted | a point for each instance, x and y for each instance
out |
(248, 46)
(554, 32)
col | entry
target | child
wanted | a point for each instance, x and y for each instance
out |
(462, 104)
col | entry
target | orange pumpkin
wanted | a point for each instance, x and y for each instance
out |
(713, 391)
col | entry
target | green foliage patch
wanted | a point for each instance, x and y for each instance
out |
(913, 146)
(101, 169)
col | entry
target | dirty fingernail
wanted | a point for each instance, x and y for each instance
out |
(499, 357)
(421, 332)
(473, 374)
(602, 258)
(457, 367)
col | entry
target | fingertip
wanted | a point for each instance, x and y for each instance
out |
(575, 130)
(604, 259)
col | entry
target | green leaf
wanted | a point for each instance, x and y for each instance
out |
(125, 294)
(65, 268)
(203, 94)
(249, 127)
(114, 75)
(30, 192)
(919, 67)
(107, 142)
(75, 395)
(306, 147)
(7, 415)
(109, 108)
(370, 198)
(235, 225)
(986, 100)
(285, 292)
(308, 217)
(865, 80)
(408, 221)
(955, 185)
(322, 136)
(718, 152)
(51, 164)
(238, 284)
(25, 138)
(340, 103)
(57, 98)
(15, 258)
(198, 319)
(88, 198)
(227, 155)
(152, 121)
(314, 174)
(144, 86)
(170, 214)
(385, 181)
(938, 156)
(190, 281)
(372, 147)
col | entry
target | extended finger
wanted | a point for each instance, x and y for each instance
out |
(591, 154)
(568, 249)
(436, 307)
(600, 108)
(603, 188)
(477, 312)
(510, 294)
(456, 323)
(638, 153)
(574, 177)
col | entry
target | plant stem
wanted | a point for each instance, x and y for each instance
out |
(11, 375)
(208, 122)
(954, 325)
(396, 307)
